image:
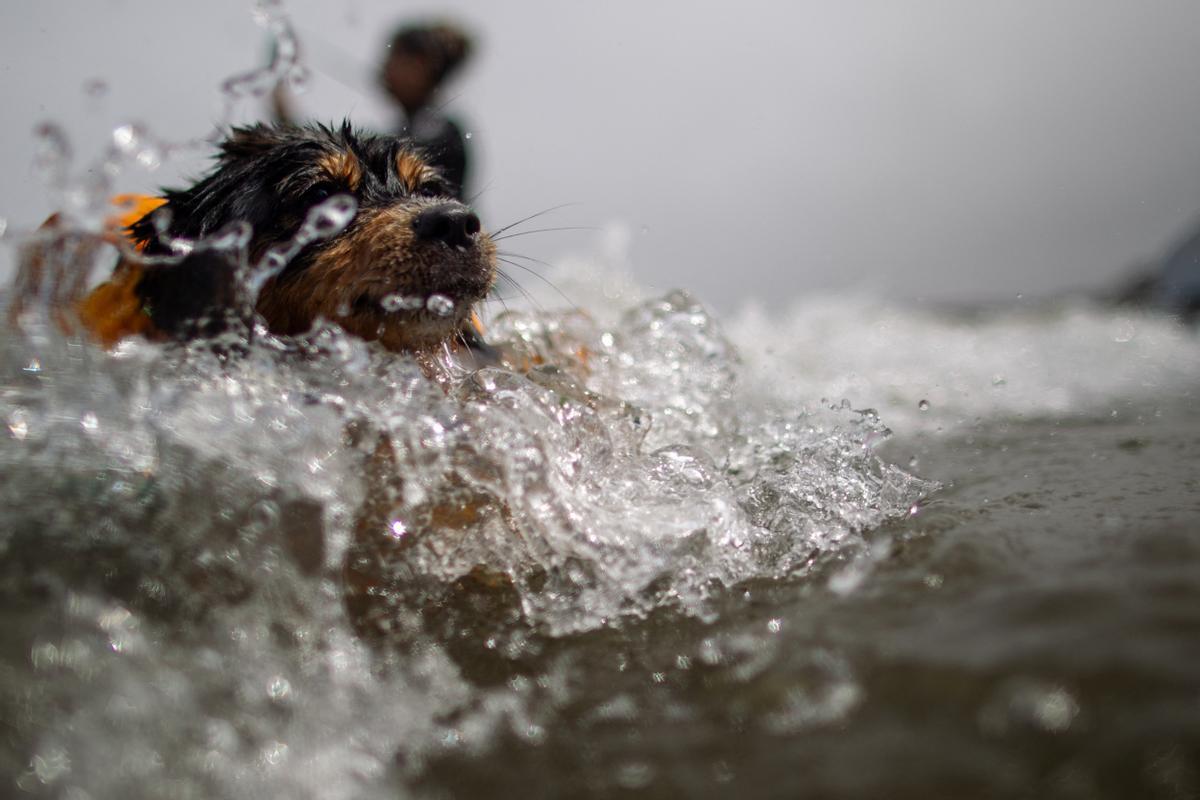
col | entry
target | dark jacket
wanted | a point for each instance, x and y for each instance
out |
(444, 145)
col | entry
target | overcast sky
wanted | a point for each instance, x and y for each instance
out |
(925, 148)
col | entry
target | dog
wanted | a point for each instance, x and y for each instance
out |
(192, 257)
(406, 270)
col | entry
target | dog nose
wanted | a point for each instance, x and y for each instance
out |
(450, 223)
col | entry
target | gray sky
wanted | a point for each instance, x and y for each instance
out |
(926, 148)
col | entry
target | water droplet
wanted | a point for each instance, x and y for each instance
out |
(1125, 330)
(34, 365)
(181, 246)
(3, 227)
(261, 14)
(234, 236)
(331, 217)
(127, 138)
(95, 87)
(775, 625)
(275, 259)
(299, 77)
(468, 135)
(18, 425)
(90, 423)
(999, 380)
(279, 688)
(1029, 702)
(264, 514)
(275, 753)
(848, 579)
(634, 775)
(400, 302)
(53, 152)
(134, 141)
(440, 304)
(51, 765)
(149, 158)
(923, 405)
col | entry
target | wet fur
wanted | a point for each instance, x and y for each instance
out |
(269, 177)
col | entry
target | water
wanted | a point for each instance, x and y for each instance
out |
(856, 549)
(675, 557)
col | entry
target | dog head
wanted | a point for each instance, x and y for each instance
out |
(405, 271)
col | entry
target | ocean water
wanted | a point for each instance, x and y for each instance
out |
(855, 549)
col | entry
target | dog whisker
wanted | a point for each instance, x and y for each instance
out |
(545, 230)
(523, 257)
(516, 285)
(505, 258)
(500, 300)
(511, 225)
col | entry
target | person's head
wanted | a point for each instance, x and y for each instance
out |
(420, 58)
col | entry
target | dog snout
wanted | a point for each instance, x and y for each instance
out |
(449, 223)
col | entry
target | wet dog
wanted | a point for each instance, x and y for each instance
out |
(405, 270)
(243, 240)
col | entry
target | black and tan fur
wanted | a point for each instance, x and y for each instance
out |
(409, 238)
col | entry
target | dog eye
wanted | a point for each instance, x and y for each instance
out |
(320, 191)
(432, 189)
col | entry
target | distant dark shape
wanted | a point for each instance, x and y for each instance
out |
(1178, 287)
(419, 60)
(1172, 284)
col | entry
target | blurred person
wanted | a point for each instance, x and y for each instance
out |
(420, 58)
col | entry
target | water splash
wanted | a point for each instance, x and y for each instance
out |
(81, 193)
(52, 154)
(401, 302)
(440, 304)
(929, 369)
(181, 530)
(187, 521)
(283, 67)
(323, 221)
(134, 142)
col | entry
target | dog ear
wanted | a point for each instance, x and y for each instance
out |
(221, 196)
